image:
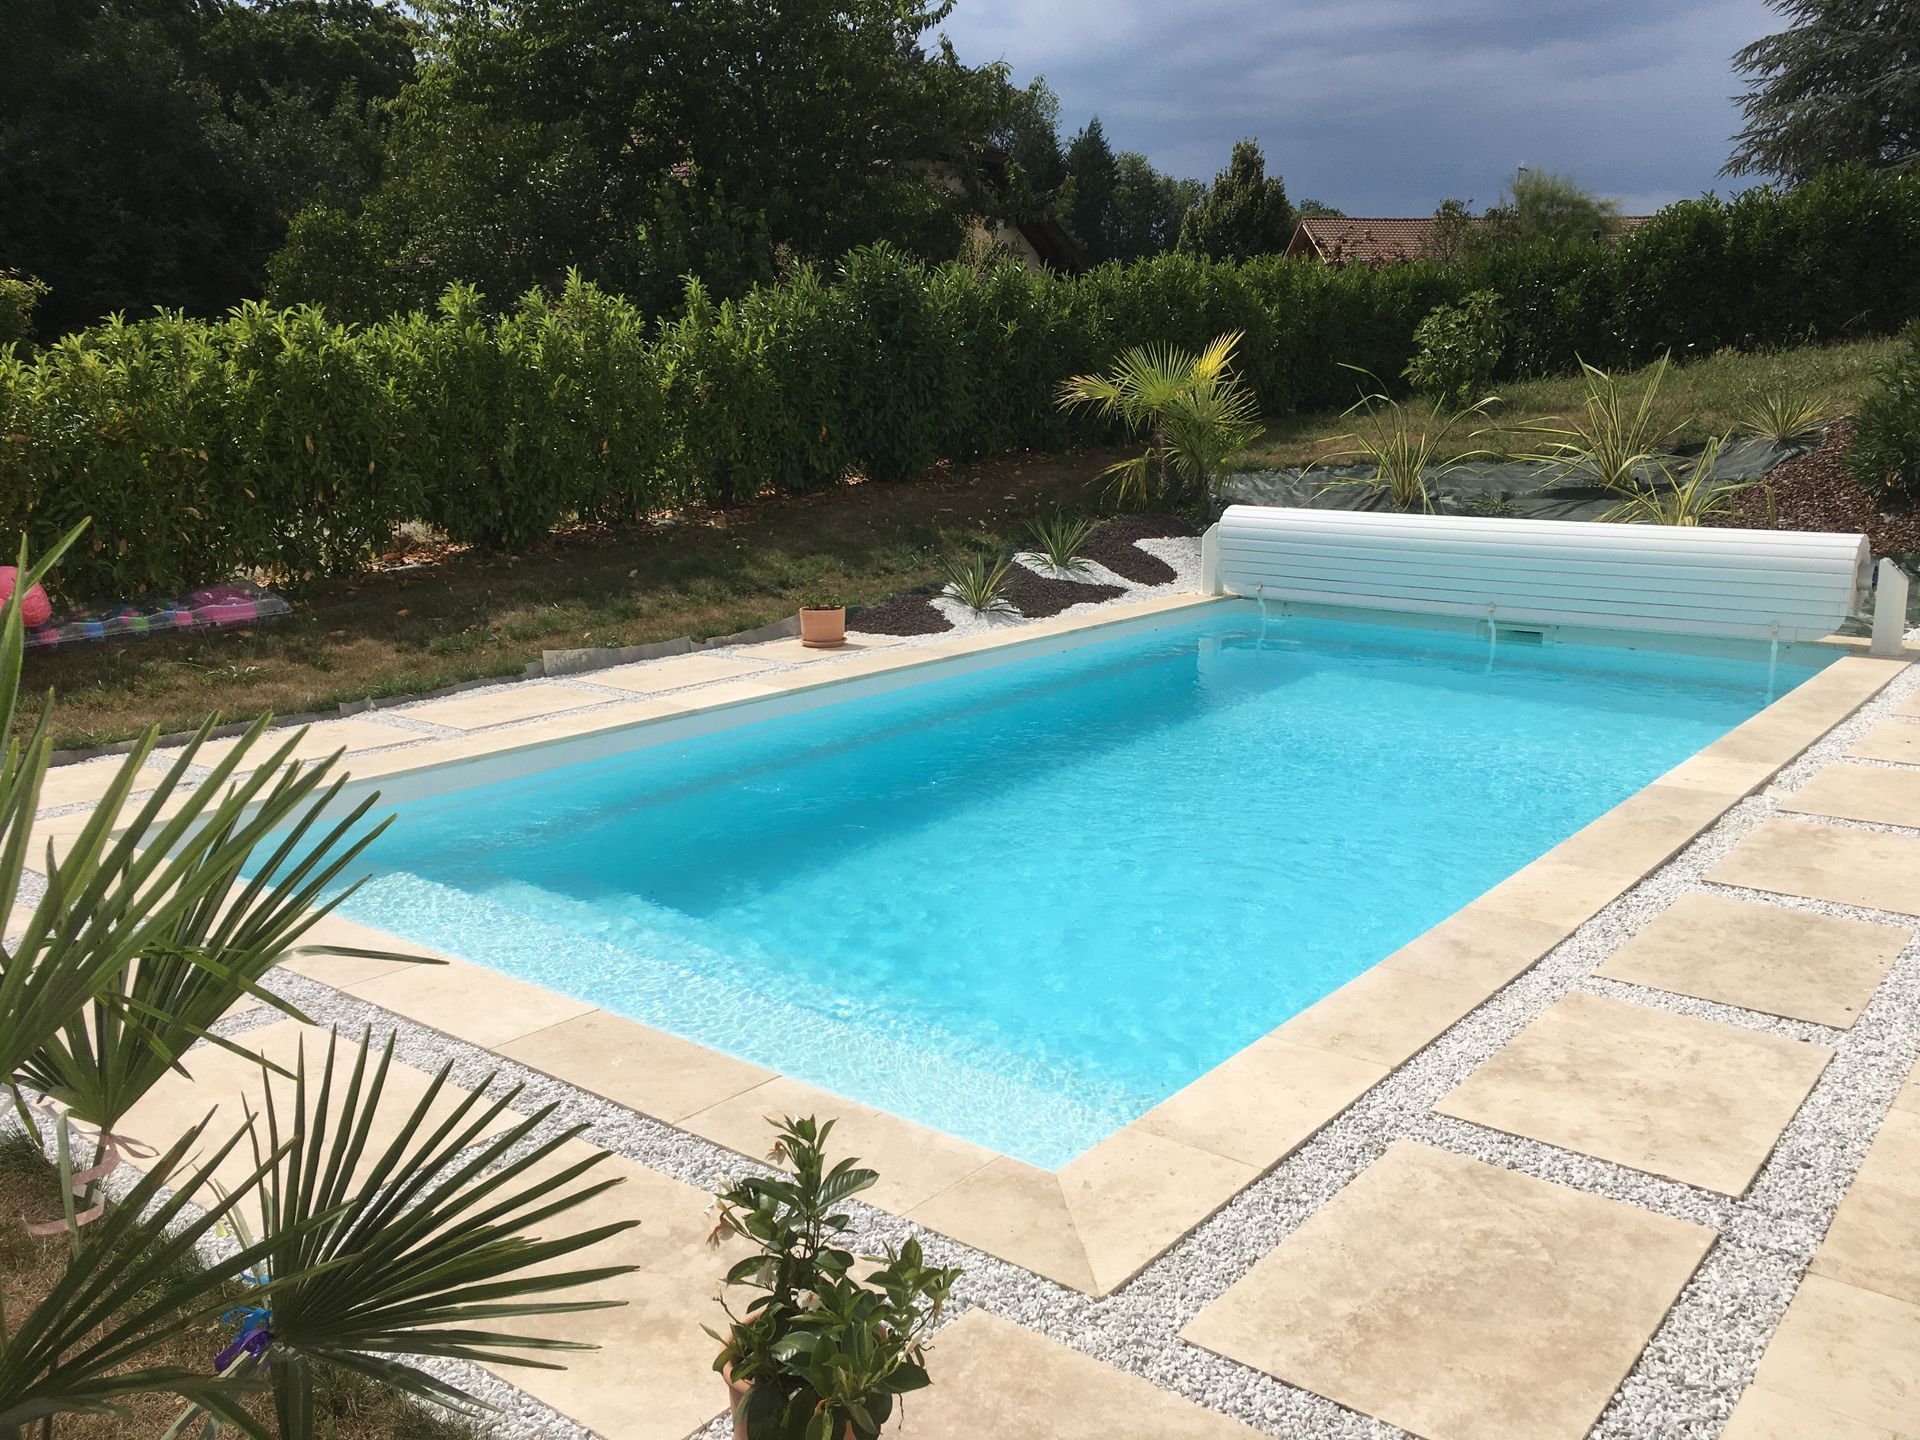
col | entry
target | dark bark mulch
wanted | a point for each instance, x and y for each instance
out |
(1112, 546)
(1814, 492)
(1038, 596)
(909, 614)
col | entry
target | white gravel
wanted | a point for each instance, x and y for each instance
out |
(1689, 1376)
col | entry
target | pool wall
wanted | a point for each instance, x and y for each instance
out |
(1097, 1220)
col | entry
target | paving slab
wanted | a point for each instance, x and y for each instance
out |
(1893, 1160)
(1827, 862)
(1874, 1243)
(1911, 706)
(792, 652)
(1897, 741)
(87, 783)
(1848, 1350)
(635, 1065)
(1820, 968)
(1459, 1300)
(321, 740)
(1690, 1099)
(469, 1002)
(1764, 1415)
(1872, 793)
(649, 677)
(1383, 1015)
(498, 707)
(995, 1380)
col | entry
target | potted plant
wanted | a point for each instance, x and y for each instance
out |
(817, 1354)
(823, 622)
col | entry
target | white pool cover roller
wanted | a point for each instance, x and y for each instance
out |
(1680, 580)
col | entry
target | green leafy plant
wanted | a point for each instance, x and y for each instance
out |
(979, 582)
(1782, 410)
(821, 600)
(817, 1353)
(1457, 347)
(1885, 453)
(1193, 409)
(1061, 537)
(1409, 445)
(1617, 435)
(1690, 499)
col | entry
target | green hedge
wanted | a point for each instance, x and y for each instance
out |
(277, 441)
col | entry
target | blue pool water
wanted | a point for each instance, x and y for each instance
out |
(1024, 906)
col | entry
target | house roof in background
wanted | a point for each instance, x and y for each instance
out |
(1382, 240)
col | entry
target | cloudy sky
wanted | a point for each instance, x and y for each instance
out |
(1387, 107)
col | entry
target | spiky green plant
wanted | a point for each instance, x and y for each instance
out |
(1193, 410)
(1690, 500)
(1617, 436)
(128, 1291)
(414, 1249)
(1782, 410)
(1409, 446)
(1061, 537)
(978, 583)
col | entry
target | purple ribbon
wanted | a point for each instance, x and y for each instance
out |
(254, 1337)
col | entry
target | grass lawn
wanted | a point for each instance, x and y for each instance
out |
(464, 616)
(1703, 398)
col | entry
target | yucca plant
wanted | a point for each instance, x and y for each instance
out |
(1193, 409)
(979, 584)
(415, 1249)
(1409, 446)
(1617, 436)
(1061, 537)
(1692, 500)
(131, 1288)
(1782, 410)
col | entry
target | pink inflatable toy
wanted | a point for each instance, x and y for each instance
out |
(35, 608)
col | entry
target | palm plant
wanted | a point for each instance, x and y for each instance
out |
(977, 584)
(1782, 410)
(1692, 501)
(1193, 409)
(1061, 537)
(1617, 435)
(1409, 446)
(413, 1250)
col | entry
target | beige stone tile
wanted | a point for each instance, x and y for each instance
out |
(87, 783)
(1849, 1350)
(1893, 1160)
(1457, 1299)
(1860, 792)
(635, 1065)
(1642, 832)
(1764, 1415)
(469, 1002)
(1910, 706)
(1557, 894)
(497, 707)
(1015, 1211)
(1383, 1015)
(320, 741)
(572, 724)
(1723, 775)
(1894, 740)
(1262, 1104)
(1909, 1096)
(345, 971)
(791, 652)
(995, 1380)
(915, 1162)
(1827, 862)
(1135, 1193)
(1874, 1243)
(1477, 947)
(1822, 968)
(649, 677)
(735, 692)
(1690, 1099)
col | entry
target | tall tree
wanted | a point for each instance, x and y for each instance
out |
(1148, 207)
(1545, 205)
(1244, 212)
(1095, 174)
(1840, 84)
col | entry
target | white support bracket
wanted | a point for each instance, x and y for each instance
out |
(1889, 611)
(1210, 561)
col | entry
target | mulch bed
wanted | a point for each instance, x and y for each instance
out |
(1038, 596)
(909, 614)
(1814, 492)
(1112, 545)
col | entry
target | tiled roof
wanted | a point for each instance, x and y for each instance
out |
(1376, 240)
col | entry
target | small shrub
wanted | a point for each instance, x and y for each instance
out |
(1060, 537)
(1885, 453)
(1410, 446)
(20, 296)
(1693, 500)
(1616, 436)
(1782, 410)
(978, 583)
(1458, 347)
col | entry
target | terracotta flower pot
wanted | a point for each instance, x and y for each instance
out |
(823, 629)
(736, 1398)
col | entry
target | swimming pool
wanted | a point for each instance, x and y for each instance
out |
(1023, 905)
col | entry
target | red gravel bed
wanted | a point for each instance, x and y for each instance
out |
(911, 614)
(1112, 545)
(1814, 491)
(1037, 596)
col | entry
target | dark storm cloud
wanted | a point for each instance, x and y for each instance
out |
(1389, 106)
